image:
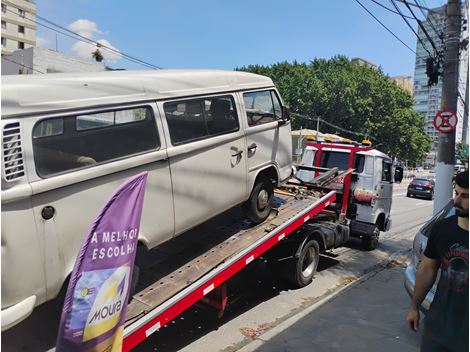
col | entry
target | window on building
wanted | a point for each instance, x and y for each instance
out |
(4, 25)
(4, 41)
(21, 13)
(4, 8)
(20, 45)
(21, 29)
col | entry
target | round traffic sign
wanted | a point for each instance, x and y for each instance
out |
(445, 121)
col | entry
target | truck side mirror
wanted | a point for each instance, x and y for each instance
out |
(398, 176)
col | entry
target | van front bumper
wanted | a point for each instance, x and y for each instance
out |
(17, 313)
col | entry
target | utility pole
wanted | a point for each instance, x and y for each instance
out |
(450, 84)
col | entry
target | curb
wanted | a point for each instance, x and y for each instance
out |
(260, 340)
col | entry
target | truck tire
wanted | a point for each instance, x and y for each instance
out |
(370, 242)
(301, 270)
(259, 205)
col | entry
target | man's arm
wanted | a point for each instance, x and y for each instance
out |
(425, 278)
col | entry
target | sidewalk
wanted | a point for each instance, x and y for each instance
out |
(367, 316)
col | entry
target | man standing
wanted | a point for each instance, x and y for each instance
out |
(446, 323)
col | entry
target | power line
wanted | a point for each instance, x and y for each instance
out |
(98, 44)
(411, 27)
(388, 9)
(401, 41)
(32, 69)
(79, 37)
(421, 26)
(329, 124)
(428, 18)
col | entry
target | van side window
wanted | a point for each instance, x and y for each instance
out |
(51, 127)
(196, 119)
(262, 107)
(91, 139)
(386, 171)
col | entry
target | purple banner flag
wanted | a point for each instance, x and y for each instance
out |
(95, 305)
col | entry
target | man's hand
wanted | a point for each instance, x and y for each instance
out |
(413, 318)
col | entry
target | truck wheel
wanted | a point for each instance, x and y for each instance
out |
(303, 268)
(258, 206)
(370, 242)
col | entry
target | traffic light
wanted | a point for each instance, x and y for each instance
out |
(432, 71)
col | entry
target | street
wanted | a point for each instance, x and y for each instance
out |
(259, 300)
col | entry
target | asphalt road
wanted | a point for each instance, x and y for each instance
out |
(260, 302)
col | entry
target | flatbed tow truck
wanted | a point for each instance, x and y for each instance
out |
(303, 224)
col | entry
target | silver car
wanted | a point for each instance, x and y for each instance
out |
(419, 245)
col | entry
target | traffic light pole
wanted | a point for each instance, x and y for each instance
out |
(450, 83)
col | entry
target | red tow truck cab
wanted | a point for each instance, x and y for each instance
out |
(364, 185)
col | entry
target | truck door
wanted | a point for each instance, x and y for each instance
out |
(384, 186)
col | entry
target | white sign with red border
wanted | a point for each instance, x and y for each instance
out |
(445, 121)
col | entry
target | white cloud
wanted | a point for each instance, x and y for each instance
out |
(89, 30)
(84, 50)
(42, 42)
(85, 28)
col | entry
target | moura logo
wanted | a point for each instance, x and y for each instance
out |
(106, 311)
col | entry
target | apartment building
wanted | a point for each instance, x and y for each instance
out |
(18, 25)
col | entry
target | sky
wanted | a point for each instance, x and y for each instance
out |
(220, 34)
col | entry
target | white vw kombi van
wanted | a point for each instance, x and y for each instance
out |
(209, 140)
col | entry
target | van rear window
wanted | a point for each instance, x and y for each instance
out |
(73, 142)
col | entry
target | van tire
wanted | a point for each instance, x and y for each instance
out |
(300, 271)
(259, 205)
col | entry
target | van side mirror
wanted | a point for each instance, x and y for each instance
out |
(398, 176)
(354, 177)
(285, 113)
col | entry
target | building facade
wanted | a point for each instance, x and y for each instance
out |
(40, 61)
(427, 99)
(404, 82)
(18, 25)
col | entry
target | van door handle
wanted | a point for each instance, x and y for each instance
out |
(252, 147)
(239, 153)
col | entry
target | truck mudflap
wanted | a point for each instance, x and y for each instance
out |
(361, 228)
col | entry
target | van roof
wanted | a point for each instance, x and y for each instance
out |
(32, 94)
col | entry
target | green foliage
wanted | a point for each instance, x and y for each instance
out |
(461, 151)
(353, 97)
(97, 55)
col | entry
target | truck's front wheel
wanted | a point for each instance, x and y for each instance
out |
(371, 241)
(303, 268)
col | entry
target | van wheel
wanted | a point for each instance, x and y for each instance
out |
(370, 241)
(259, 205)
(301, 270)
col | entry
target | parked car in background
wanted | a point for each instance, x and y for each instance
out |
(423, 187)
(419, 245)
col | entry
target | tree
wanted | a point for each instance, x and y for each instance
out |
(97, 55)
(354, 97)
(461, 151)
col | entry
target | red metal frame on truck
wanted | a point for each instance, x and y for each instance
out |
(138, 331)
(353, 149)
